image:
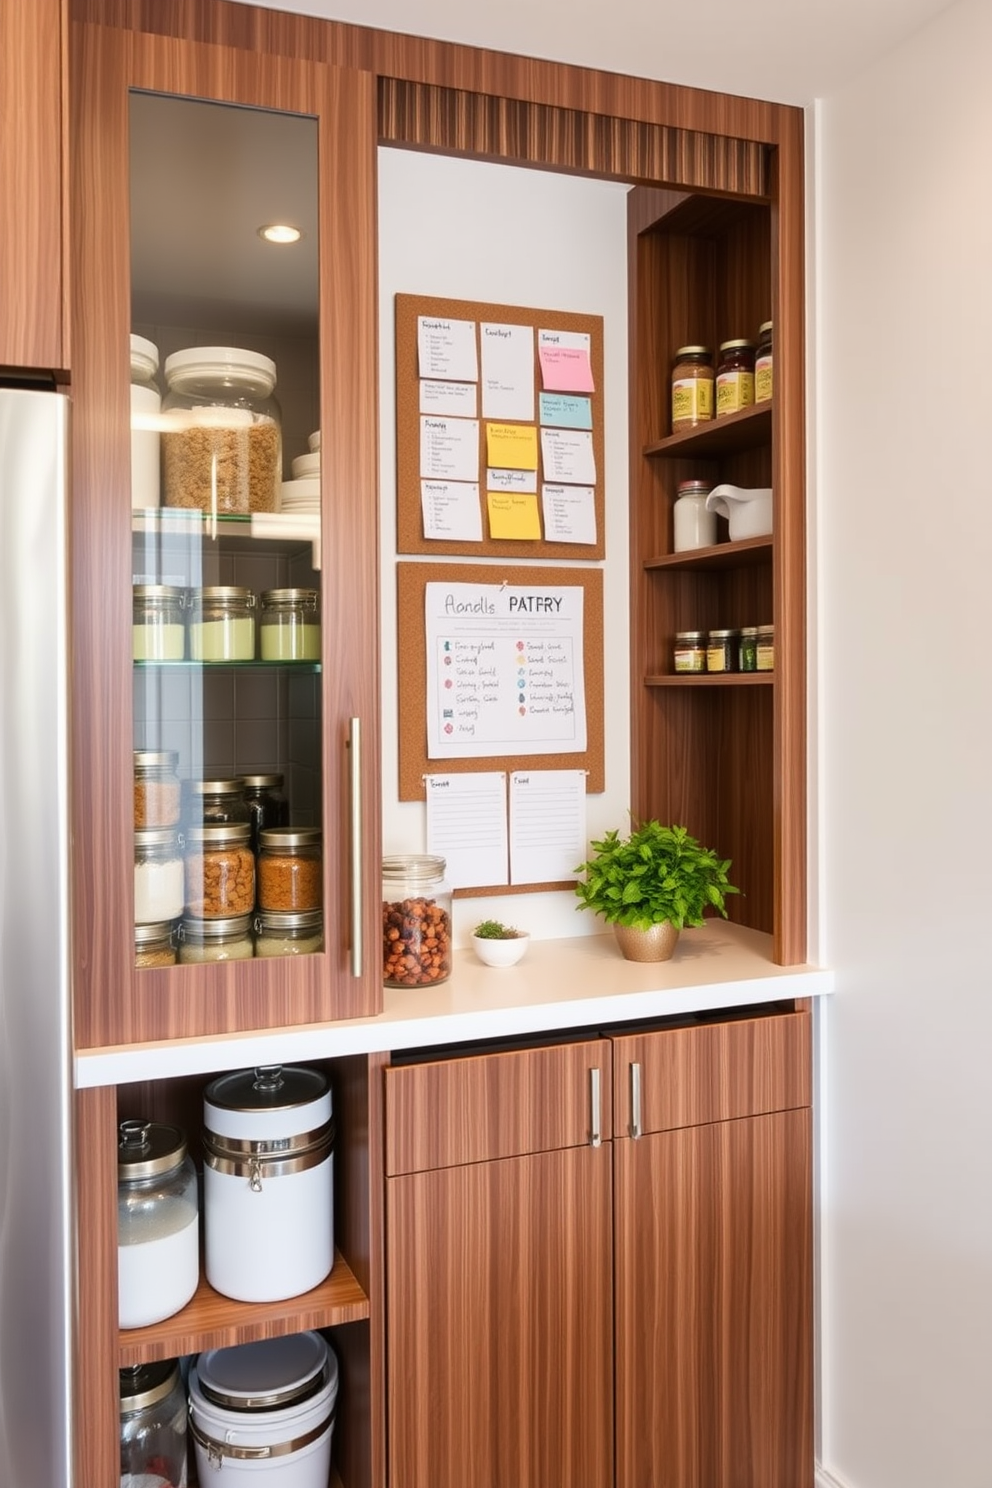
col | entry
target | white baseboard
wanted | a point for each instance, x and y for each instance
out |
(823, 1479)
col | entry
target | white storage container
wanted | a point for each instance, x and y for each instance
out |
(263, 1413)
(268, 1197)
(158, 1252)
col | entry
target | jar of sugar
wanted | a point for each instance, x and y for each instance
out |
(158, 1225)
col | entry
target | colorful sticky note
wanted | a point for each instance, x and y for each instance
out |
(513, 516)
(511, 446)
(566, 369)
(564, 411)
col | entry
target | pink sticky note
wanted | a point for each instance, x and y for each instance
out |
(566, 369)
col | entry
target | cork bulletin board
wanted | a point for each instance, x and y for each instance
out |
(410, 536)
(412, 580)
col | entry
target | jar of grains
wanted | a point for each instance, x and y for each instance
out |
(220, 872)
(221, 431)
(222, 623)
(154, 945)
(216, 803)
(416, 921)
(158, 876)
(267, 806)
(279, 934)
(227, 939)
(289, 625)
(157, 631)
(153, 1425)
(290, 872)
(692, 387)
(157, 801)
(735, 377)
(146, 406)
(763, 364)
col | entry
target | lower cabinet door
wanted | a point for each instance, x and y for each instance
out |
(714, 1305)
(500, 1323)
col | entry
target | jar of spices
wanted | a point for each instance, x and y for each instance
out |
(721, 650)
(146, 408)
(157, 631)
(766, 648)
(763, 364)
(157, 800)
(747, 649)
(153, 1425)
(267, 806)
(220, 872)
(158, 876)
(158, 1231)
(216, 803)
(416, 921)
(221, 434)
(690, 651)
(226, 939)
(692, 387)
(290, 872)
(278, 934)
(289, 625)
(154, 945)
(735, 377)
(222, 623)
(692, 525)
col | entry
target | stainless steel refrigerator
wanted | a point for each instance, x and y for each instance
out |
(36, 1245)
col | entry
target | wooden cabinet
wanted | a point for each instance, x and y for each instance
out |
(499, 1270)
(33, 332)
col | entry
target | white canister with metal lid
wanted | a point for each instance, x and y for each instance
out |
(268, 1200)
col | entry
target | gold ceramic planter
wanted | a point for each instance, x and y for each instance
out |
(655, 944)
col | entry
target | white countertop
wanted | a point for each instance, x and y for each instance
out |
(560, 984)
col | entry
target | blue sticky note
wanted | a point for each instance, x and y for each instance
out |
(566, 411)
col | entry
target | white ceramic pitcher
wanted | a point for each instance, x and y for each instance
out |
(749, 512)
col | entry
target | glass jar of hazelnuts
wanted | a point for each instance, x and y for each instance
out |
(416, 921)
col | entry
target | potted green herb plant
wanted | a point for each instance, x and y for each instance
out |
(650, 885)
(497, 944)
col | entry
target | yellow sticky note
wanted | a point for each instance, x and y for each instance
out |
(513, 516)
(511, 446)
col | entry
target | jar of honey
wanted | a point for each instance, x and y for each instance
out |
(735, 377)
(692, 387)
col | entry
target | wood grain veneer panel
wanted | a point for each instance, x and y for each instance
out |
(96, 1401)
(714, 1072)
(493, 1105)
(714, 1306)
(500, 1323)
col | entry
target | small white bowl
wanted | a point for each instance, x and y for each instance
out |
(501, 952)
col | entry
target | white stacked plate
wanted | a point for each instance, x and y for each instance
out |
(314, 440)
(302, 495)
(306, 465)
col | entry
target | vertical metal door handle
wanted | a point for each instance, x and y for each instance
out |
(355, 846)
(595, 1122)
(635, 1101)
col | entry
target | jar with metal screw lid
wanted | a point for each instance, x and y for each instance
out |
(692, 525)
(747, 649)
(222, 623)
(216, 803)
(222, 435)
(154, 945)
(692, 387)
(158, 630)
(289, 934)
(267, 806)
(146, 407)
(157, 797)
(158, 875)
(220, 872)
(763, 364)
(735, 377)
(766, 648)
(290, 871)
(226, 939)
(690, 651)
(416, 921)
(158, 1248)
(153, 1426)
(289, 625)
(721, 650)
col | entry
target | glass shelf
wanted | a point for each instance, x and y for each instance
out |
(186, 665)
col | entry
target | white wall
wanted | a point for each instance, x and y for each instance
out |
(470, 230)
(904, 500)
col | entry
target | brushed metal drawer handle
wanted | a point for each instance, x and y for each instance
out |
(595, 1102)
(635, 1128)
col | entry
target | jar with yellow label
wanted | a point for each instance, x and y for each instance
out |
(763, 364)
(692, 387)
(690, 651)
(735, 377)
(765, 657)
(721, 650)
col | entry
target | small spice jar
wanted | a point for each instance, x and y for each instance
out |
(289, 625)
(157, 797)
(690, 651)
(763, 364)
(278, 934)
(146, 407)
(766, 648)
(222, 623)
(267, 806)
(158, 1231)
(721, 650)
(158, 876)
(226, 939)
(153, 1425)
(220, 872)
(692, 525)
(216, 803)
(692, 387)
(221, 435)
(416, 921)
(290, 872)
(154, 945)
(735, 377)
(158, 632)
(747, 649)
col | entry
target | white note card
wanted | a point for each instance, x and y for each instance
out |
(519, 482)
(451, 510)
(507, 371)
(446, 348)
(568, 457)
(457, 399)
(569, 513)
(449, 448)
(547, 825)
(467, 826)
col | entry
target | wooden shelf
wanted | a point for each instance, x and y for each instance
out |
(724, 436)
(213, 1321)
(710, 679)
(722, 555)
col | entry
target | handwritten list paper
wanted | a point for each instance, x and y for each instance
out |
(569, 513)
(449, 449)
(569, 458)
(547, 825)
(565, 363)
(458, 399)
(507, 371)
(467, 826)
(451, 510)
(446, 348)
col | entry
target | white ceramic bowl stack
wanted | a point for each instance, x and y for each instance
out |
(302, 493)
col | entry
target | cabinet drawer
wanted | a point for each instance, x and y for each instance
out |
(486, 1106)
(711, 1072)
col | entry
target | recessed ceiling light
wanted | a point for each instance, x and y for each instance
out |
(280, 232)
